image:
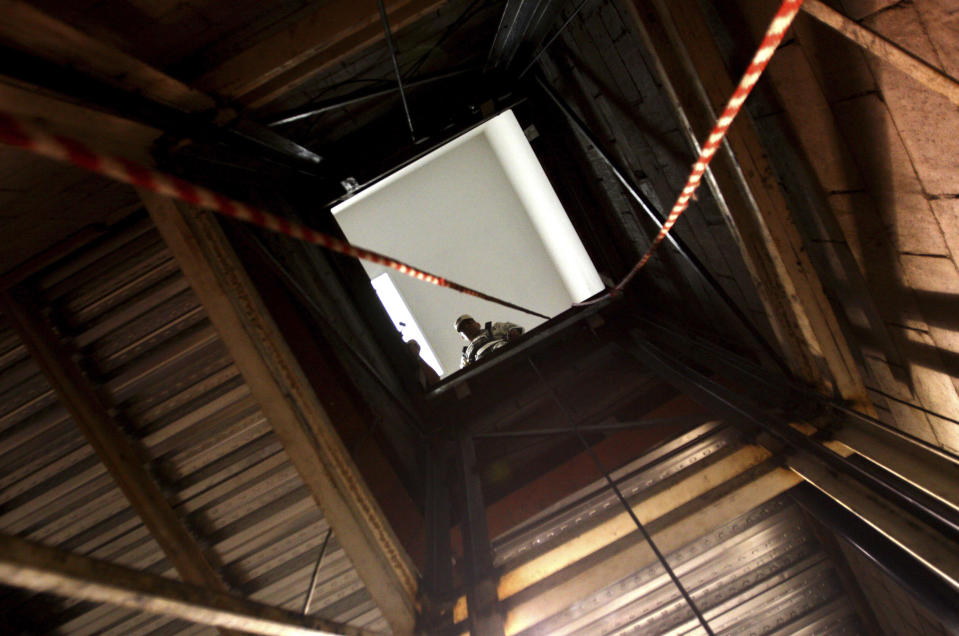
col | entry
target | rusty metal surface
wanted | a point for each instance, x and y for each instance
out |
(145, 341)
(762, 573)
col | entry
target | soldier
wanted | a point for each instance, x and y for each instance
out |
(483, 340)
(426, 374)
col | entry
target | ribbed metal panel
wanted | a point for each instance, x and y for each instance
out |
(146, 341)
(762, 573)
(54, 489)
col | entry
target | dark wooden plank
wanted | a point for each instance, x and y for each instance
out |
(289, 57)
(30, 29)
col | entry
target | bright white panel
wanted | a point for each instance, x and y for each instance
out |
(543, 207)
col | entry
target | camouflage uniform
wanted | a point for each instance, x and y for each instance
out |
(495, 336)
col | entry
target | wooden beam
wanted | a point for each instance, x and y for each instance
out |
(108, 440)
(31, 30)
(166, 99)
(289, 403)
(691, 68)
(281, 63)
(102, 131)
(36, 567)
(914, 66)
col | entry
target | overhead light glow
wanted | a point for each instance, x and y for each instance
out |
(403, 318)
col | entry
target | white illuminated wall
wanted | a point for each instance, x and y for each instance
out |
(479, 211)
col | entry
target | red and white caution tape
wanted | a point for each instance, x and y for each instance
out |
(774, 35)
(16, 132)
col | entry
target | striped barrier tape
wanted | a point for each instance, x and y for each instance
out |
(774, 35)
(17, 132)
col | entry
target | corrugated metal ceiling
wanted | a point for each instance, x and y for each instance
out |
(144, 339)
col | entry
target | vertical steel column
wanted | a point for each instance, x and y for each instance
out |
(439, 565)
(485, 617)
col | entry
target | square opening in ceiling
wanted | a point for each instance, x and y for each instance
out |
(479, 211)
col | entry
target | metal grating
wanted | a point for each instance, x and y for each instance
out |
(54, 489)
(146, 342)
(762, 573)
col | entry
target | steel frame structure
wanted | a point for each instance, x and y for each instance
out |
(932, 591)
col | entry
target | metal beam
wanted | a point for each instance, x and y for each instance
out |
(937, 550)
(528, 343)
(738, 409)
(36, 567)
(851, 583)
(396, 67)
(439, 552)
(681, 421)
(559, 31)
(318, 108)
(287, 398)
(108, 440)
(578, 475)
(309, 300)
(52, 77)
(916, 519)
(929, 471)
(770, 389)
(657, 217)
(901, 566)
(629, 509)
(316, 572)
(918, 462)
(521, 22)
